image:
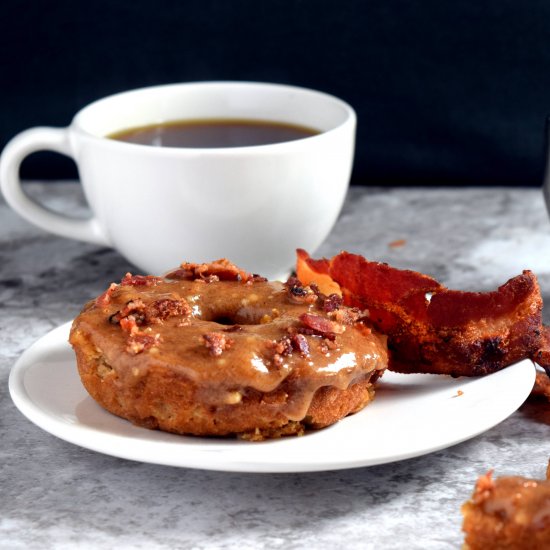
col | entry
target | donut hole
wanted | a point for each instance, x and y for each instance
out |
(243, 316)
(225, 320)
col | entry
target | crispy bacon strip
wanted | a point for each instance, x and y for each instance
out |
(430, 328)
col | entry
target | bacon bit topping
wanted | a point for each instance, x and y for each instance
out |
(292, 281)
(299, 294)
(283, 346)
(281, 349)
(348, 315)
(104, 299)
(327, 344)
(286, 345)
(140, 280)
(135, 308)
(141, 341)
(129, 325)
(217, 343)
(162, 309)
(138, 340)
(332, 303)
(220, 270)
(299, 343)
(155, 312)
(321, 325)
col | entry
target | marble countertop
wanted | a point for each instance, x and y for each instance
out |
(57, 495)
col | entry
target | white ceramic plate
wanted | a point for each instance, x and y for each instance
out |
(411, 415)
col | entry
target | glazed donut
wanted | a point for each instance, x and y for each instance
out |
(211, 350)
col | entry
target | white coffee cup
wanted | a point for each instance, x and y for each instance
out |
(159, 206)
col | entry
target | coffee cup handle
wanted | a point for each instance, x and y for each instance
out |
(22, 145)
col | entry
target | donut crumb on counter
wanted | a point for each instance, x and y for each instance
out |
(211, 350)
(510, 513)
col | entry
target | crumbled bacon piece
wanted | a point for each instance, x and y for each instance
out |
(138, 340)
(287, 344)
(128, 324)
(300, 294)
(217, 343)
(347, 316)
(140, 280)
(327, 344)
(103, 300)
(293, 281)
(283, 346)
(299, 343)
(332, 303)
(162, 309)
(220, 270)
(141, 341)
(321, 325)
(316, 289)
(136, 308)
(154, 312)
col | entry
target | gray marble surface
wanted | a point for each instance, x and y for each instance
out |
(57, 495)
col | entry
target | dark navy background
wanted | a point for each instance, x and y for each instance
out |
(447, 93)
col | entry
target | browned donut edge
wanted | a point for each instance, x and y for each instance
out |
(164, 400)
